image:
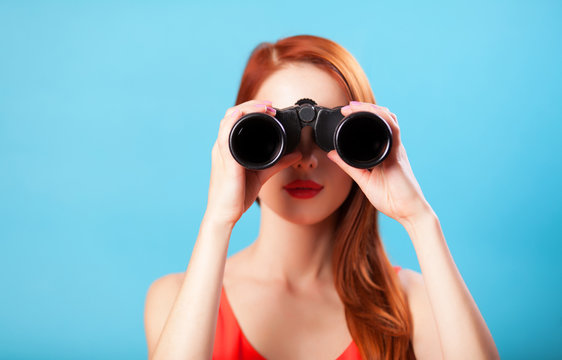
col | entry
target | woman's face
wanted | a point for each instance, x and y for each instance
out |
(287, 198)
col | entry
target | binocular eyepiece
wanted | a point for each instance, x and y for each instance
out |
(258, 140)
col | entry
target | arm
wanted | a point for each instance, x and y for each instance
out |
(442, 292)
(180, 319)
(188, 331)
(392, 189)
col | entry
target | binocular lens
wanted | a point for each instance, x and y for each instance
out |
(363, 140)
(257, 141)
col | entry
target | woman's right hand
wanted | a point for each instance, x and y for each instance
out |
(233, 188)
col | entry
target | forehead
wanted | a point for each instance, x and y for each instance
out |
(302, 80)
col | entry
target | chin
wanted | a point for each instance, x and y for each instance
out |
(311, 219)
(305, 214)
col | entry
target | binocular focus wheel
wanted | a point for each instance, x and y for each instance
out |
(257, 141)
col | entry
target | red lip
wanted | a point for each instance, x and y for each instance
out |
(303, 189)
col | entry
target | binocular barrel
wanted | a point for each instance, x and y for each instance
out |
(258, 141)
(362, 139)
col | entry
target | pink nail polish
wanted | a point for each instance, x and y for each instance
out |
(347, 107)
(270, 109)
(355, 103)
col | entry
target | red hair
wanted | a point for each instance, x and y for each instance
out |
(376, 310)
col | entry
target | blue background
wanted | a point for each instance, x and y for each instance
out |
(108, 112)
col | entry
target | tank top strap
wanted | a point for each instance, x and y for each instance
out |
(230, 342)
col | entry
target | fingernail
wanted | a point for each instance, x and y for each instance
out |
(270, 109)
(265, 102)
(234, 113)
(260, 105)
(347, 107)
(355, 103)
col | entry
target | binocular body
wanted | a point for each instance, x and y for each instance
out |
(258, 140)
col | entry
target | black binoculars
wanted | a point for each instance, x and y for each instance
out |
(258, 140)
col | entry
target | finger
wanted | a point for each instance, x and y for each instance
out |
(363, 106)
(248, 103)
(225, 127)
(360, 176)
(381, 111)
(394, 117)
(246, 108)
(284, 162)
(233, 115)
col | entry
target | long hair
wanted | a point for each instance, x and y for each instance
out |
(376, 311)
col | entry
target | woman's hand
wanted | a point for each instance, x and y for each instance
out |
(391, 185)
(233, 188)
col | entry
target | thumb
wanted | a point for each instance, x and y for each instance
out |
(360, 176)
(285, 162)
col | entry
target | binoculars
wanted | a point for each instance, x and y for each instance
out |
(258, 140)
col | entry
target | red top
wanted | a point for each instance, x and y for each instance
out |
(230, 342)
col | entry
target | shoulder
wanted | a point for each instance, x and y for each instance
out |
(172, 279)
(163, 290)
(413, 287)
(164, 286)
(425, 337)
(410, 280)
(160, 298)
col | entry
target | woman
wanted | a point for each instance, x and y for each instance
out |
(316, 283)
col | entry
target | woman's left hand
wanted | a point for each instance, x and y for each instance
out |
(391, 185)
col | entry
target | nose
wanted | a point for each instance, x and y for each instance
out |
(307, 147)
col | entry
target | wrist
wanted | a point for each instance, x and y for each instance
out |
(215, 223)
(422, 218)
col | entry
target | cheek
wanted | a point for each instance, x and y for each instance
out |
(341, 183)
(344, 182)
(273, 184)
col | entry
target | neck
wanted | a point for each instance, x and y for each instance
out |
(297, 255)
